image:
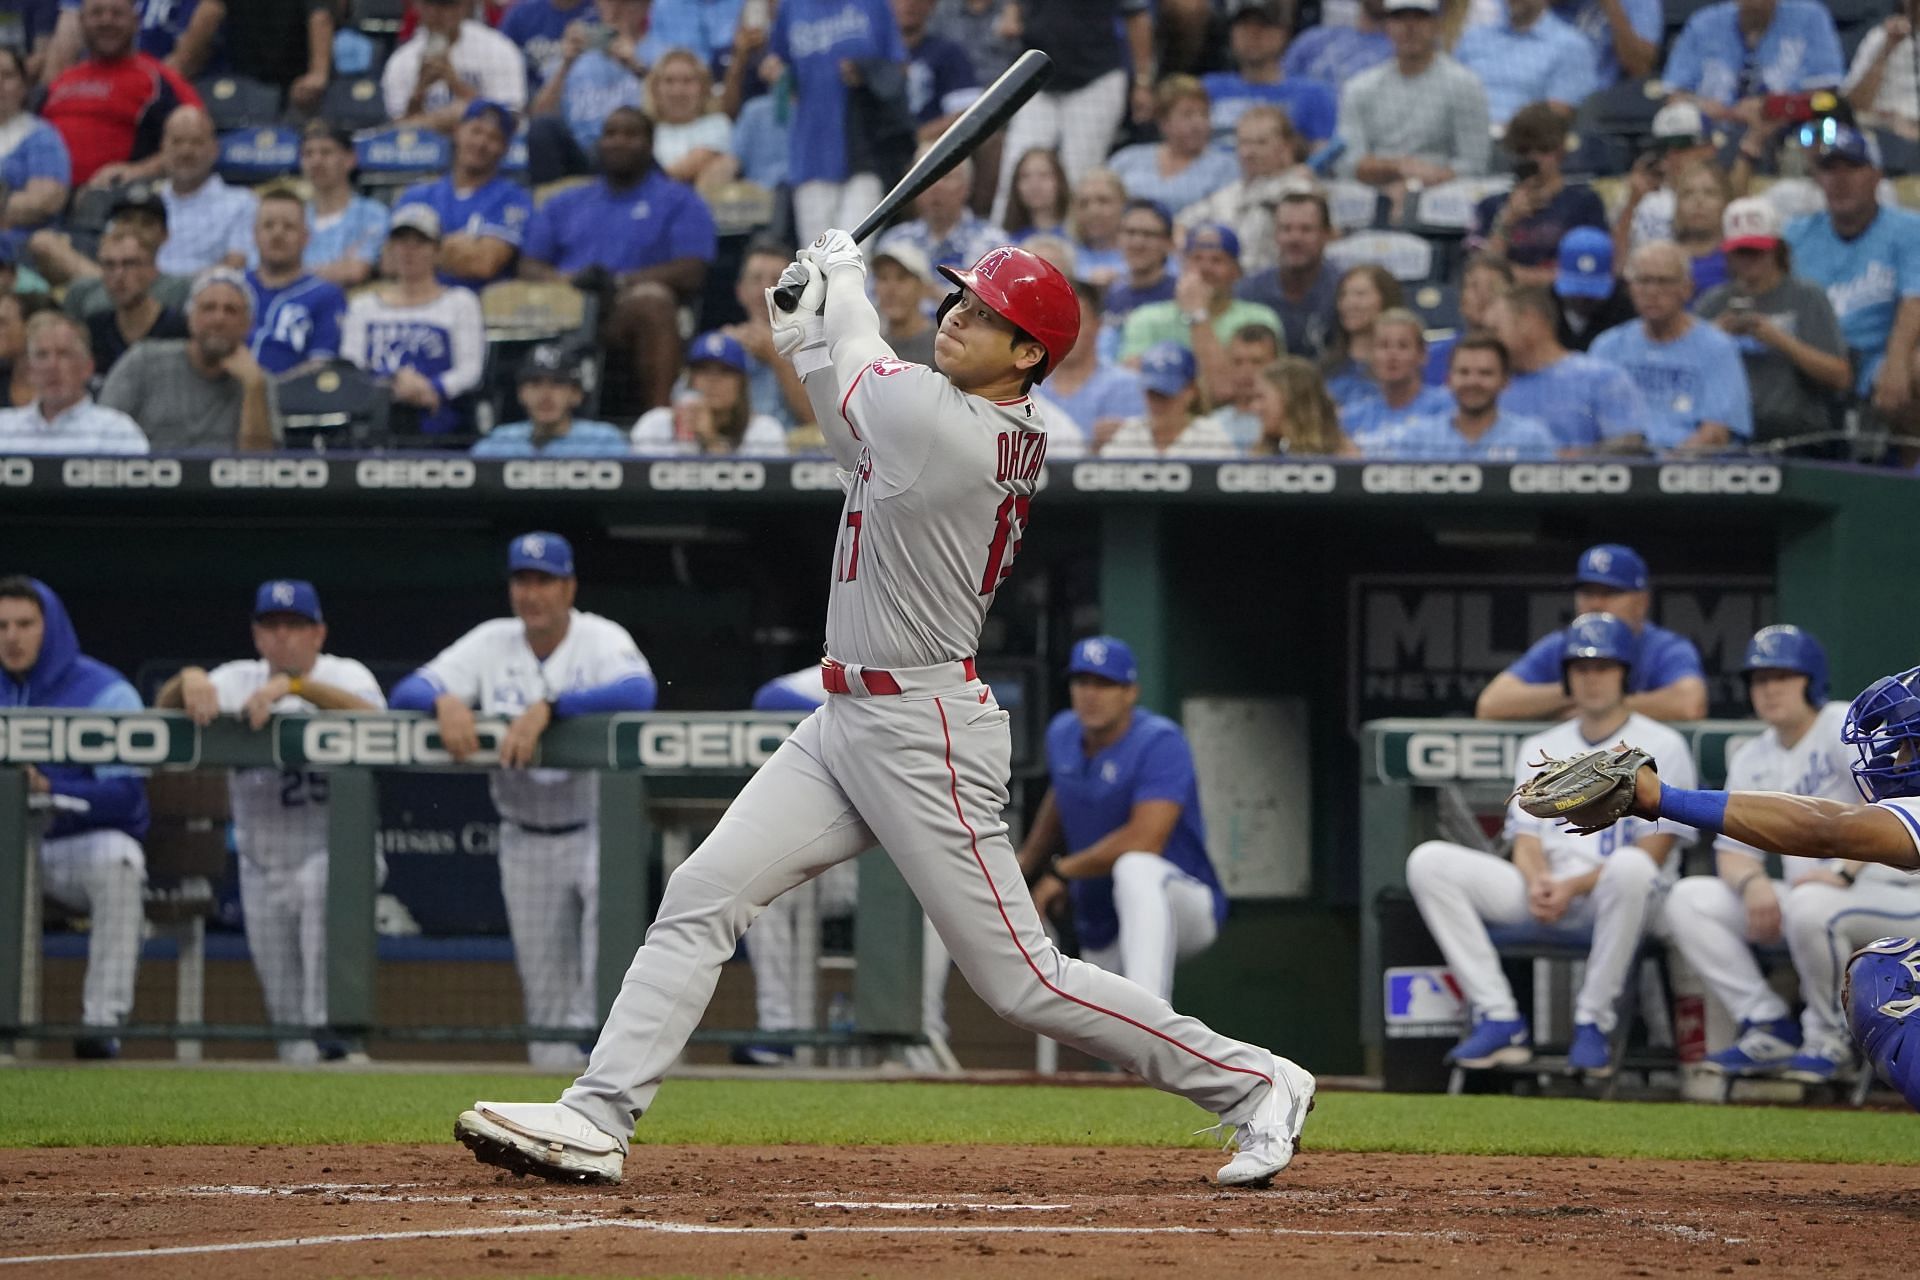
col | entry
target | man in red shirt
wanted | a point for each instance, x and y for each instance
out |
(110, 107)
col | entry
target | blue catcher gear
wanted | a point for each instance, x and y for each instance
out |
(1881, 996)
(1598, 635)
(1883, 725)
(1784, 647)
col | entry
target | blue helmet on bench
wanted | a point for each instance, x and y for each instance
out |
(1598, 635)
(1882, 1001)
(1883, 725)
(1784, 647)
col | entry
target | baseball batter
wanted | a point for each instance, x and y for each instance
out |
(547, 662)
(1609, 882)
(911, 751)
(280, 815)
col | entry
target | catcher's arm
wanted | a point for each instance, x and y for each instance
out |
(1808, 826)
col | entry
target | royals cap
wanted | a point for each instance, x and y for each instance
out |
(498, 112)
(550, 362)
(1214, 235)
(541, 552)
(287, 595)
(421, 219)
(718, 347)
(1167, 367)
(1586, 264)
(1106, 657)
(1611, 565)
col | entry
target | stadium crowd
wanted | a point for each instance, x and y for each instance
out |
(1447, 229)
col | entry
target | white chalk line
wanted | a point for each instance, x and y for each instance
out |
(912, 1205)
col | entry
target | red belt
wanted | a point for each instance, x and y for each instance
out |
(834, 675)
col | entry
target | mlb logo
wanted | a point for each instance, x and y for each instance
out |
(1424, 1000)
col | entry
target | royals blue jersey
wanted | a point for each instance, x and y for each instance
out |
(812, 37)
(499, 209)
(296, 322)
(1581, 400)
(1660, 657)
(1695, 378)
(1866, 278)
(1095, 795)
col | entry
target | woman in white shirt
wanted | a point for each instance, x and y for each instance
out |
(713, 413)
(428, 341)
(690, 142)
(1883, 84)
(1173, 426)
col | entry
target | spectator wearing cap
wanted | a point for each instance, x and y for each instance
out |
(592, 80)
(345, 229)
(1475, 428)
(128, 274)
(424, 338)
(1333, 53)
(296, 315)
(35, 174)
(1665, 680)
(714, 414)
(1528, 55)
(209, 223)
(1689, 372)
(1867, 257)
(1256, 40)
(1590, 406)
(1396, 359)
(947, 232)
(1525, 225)
(1172, 425)
(62, 417)
(111, 106)
(1789, 338)
(483, 215)
(645, 240)
(1419, 119)
(903, 283)
(1883, 84)
(1182, 168)
(1680, 141)
(1731, 55)
(139, 209)
(1146, 240)
(1301, 287)
(206, 392)
(450, 61)
(1270, 152)
(1096, 395)
(776, 388)
(1591, 300)
(1203, 313)
(1624, 35)
(550, 393)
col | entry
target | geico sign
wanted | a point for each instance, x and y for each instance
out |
(810, 477)
(120, 473)
(1132, 477)
(414, 473)
(564, 475)
(85, 739)
(16, 473)
(1708, 477)
(269, 473)
(711, 477)
(380, 742)
(1279, 477)
(1576, 477)
(1421, 477)
(736, 744)
(1463, 757)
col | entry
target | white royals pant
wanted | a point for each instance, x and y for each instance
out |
(1460, 891)
(1825, 924)
(285, 908)
(103, 874)
(924, 776)
(552, 888)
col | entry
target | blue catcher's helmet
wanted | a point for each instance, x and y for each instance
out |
(1784, 647)
(1883, 725)
(1598, 635)
(1882, 996)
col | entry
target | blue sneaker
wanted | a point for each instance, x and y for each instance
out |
(1762, 1047)
(1591, 1052)
(1504, 1043)
(1822, 1062)
(761, 1055)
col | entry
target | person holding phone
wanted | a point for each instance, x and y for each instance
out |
(1525, 225)
(1883, 84)
(1680, 141)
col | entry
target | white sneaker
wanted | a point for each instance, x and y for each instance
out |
(541, 1138)
(1266, 1141)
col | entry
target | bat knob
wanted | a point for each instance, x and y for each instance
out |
(786, 297)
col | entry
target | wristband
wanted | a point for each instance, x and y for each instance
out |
(1702, 810)
(294, 686)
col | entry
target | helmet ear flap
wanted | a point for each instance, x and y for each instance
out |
(952, 301)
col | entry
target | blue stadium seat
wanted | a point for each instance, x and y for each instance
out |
(1624, 110)
(396, 157)
(1438, 306)
(354, 104)
(259, 155)
(379, 17)
(238, 102)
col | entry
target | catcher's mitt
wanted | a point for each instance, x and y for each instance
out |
(1588, 792)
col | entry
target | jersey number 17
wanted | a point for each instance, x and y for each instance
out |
(1009, 526)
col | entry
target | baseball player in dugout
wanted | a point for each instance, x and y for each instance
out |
(1665, 680)
(1119, 832)
(1610, 882)
(910, 751)
(280, 815)
(547, 662)
(91, 860)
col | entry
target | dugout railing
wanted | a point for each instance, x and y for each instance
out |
(663, 778)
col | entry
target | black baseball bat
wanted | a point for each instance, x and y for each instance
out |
(993, 108)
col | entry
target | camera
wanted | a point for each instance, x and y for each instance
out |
(1526, 169)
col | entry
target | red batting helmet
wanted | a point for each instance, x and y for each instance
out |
(1025, 289)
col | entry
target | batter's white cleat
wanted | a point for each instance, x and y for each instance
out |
(1267, 1141)
(541, 1138)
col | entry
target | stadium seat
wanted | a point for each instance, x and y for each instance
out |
(238, 102)
(338, 405)
(1596, 154)
(1624, 110)
(379, 17)
(400, 157)
(1405, 256)
(186, 851)
(354, 104)
(1901, 156)
(1449, 206)
(521, 314)
(741, 207)
(258, 155)
(1438, 306)
(1353, 205)
(91, 205)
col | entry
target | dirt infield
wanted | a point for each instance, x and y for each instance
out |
(924, 1212)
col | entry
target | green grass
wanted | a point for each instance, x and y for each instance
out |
(54, 1107)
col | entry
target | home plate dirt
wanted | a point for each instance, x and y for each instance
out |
(921, 1212)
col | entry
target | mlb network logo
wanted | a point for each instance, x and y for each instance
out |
(1424, 1000)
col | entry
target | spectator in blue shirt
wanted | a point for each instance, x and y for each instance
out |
(1097, 394)
(1333, 54)
(538, 27)
(1530, 56)
(705, 26)
(1731, 55)
(941, 80)
(345, 229)
(1146, 239)
(34, 173)
(1477, 430)
(296, 315)
(1525, 225)
(1301, 288)
(1399, 394)
(1256, 39)
(1625, 35)
(643, 239)
(1182, 168)
(1666, 680)
(1867, 258)
(1689, 372)
(601, 67)
(550, 393)
(483, 215)
(1589, 405)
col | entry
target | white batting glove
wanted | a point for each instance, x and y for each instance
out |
(794, 329)
(834, 250)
